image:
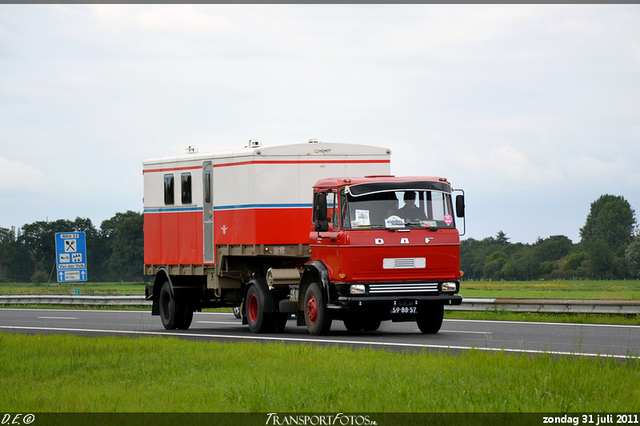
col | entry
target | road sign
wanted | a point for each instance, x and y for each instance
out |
(71, 256)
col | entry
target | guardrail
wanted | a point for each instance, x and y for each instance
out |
(62, 299)
(592, 306)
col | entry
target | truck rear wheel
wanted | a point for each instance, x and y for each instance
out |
(430, 318)
(174, 312)
(317, 315)
(259, 320)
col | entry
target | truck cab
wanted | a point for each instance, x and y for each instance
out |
(390, 248)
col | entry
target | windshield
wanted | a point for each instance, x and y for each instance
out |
(398, 209)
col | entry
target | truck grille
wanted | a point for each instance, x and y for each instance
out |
(403, 288)
(404, 263)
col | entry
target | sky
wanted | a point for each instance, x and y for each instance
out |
(533, 110)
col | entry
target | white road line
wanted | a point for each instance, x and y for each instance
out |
(313, 340)
(217, 322)
(59, 318)
(573, 324)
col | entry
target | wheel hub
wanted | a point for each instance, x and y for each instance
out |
(312, 309)
(253, 308)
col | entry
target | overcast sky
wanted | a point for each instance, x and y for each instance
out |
(533, 109)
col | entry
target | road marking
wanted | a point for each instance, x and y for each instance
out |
(574, 324)
(463, 331)
(218, 322)
(255, 338)
(59, 318)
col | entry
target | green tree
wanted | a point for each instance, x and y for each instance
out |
(524, 265)
(632, 256)
(494, 264)
(575, 260)
(601, 258)
(124, 245)
(611, 219)
(501, 238)
(553, 248)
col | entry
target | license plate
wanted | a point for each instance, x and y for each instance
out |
(404, 310)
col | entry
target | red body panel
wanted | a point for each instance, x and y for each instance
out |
(177, 237)
(356, 254)
(173, 238)
(262, 226)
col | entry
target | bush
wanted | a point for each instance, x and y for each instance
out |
(39, 278)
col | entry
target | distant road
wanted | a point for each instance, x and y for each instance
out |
(617, 341)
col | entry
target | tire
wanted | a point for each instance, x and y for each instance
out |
(236, 312)
(316, 314)
(256, 302)
(187, 315)
(355, 324)
(430, 318)
(169, 311)
(371, 324)
(352, 324)
(281, 322)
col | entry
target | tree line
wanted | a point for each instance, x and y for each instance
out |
(609, 248)
(115, 251)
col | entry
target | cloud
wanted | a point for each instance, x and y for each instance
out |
(188, 19)
(16, 176)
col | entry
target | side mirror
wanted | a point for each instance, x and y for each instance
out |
(322, 226)
(460, 205)
(320, 207)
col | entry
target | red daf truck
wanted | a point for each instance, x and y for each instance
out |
(320, 231)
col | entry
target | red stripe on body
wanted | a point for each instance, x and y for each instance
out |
(246, 163)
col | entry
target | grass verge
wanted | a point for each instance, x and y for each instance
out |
(62, 373)
(579, 318)
(561, 289)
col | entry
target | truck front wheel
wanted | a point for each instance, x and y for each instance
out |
(355, 324)
(317, 316)
(430, 318)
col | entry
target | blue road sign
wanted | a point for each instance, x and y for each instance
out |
(71, 256)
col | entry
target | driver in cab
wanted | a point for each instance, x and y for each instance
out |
(410, 211)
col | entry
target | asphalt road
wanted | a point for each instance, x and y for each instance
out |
(617, 341)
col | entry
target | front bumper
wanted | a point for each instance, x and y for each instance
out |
(380, 299)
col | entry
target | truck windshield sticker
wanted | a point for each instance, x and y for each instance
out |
(394, 222)
(362, 218)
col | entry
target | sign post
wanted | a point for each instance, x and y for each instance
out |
(71, 257)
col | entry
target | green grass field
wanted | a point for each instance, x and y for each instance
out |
(586, 289)
(109, 374)
(88, 288)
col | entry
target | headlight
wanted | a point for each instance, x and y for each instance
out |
(357, 289)
(447, 287)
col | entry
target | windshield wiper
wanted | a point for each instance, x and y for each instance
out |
(432, 225)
